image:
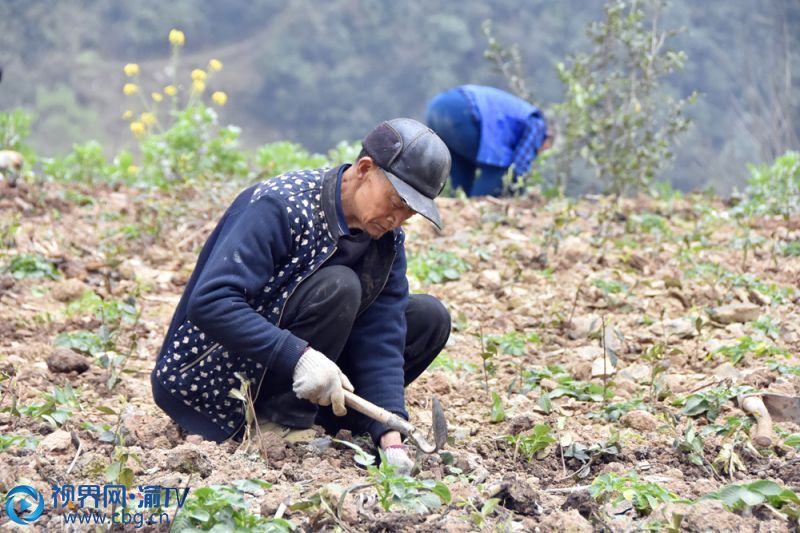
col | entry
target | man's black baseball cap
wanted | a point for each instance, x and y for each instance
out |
(416, 161)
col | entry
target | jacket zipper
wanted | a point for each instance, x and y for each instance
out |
(280, 316)
(187, 366)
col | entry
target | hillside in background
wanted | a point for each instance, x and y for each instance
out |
(319, 72)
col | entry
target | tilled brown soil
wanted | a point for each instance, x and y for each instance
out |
(555, 269)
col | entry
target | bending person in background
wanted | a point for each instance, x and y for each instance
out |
(490, 130)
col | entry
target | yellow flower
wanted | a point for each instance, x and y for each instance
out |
(132, 169)
(137, 128)
(127, 115)
(219, 98)
(131, 69)
(130, 88)
(147, 118)
(176, 37)
(199, 75)
(157, 97)
(215, 65)
(170, 90)
(198, 86)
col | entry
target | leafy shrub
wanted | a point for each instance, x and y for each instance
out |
(617, 118)
(86, 163)
(276, 158)
(773, 190)
(14, 131)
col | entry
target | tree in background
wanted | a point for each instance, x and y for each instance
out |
(616, 116)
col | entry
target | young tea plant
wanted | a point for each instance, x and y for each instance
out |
(533, 443)
(643, 496)
(436, 266)
(738, 497)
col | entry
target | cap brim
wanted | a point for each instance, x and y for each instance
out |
(416, 201)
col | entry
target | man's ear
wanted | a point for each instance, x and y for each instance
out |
(363, 166)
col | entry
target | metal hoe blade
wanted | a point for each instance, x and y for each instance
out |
(439, 424)
(782, 408)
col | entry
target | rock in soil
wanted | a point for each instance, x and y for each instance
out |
(569, 521)
(640, 420)
(63, 360)
(188, 460)
(68, 290)
(57, 441)
(728, 314)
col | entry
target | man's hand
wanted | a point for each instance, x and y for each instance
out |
(319, 380)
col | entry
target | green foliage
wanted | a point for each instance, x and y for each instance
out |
(773, 190)
(790, 248)
(87, 342)
(761, 492)
(614, 411)
(85, 164)
(436, 266)
(14, 132)
(119, 472)
(454, 365)
(277, 158)
(709, 401)
(566, 385)
(628, 487)
(513, 343)
(605, 450)
(692, 444)
(747, 345)
(418, 496)
(57, 407)
(111, 312)
(224, 508)
(532, 443)
(792, 440)
(18, 441)
(498, 414)
(31, 266)
(617, 117)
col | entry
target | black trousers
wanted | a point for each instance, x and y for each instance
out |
(322, 312)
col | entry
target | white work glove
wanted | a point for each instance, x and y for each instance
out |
(397, 456)
(319, 380)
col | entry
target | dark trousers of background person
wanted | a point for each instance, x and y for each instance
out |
(450, 116)
(322, 312)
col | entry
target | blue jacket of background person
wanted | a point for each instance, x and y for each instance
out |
(503, 117)
(274, 235)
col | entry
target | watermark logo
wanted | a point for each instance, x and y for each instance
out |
(28, 500)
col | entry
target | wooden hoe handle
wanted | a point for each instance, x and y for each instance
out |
(754, 405)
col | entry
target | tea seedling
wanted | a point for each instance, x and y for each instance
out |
(737, 497)
(57, 407)
(532, 443)
(643, 496)
(31, 266)
(748, 345)
(436, 266)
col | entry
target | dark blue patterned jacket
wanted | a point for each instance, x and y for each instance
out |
(274, 235)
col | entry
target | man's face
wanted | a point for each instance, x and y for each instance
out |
(379, 207)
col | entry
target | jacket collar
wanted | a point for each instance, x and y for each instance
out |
(328, 200)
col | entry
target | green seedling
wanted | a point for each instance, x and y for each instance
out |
(119, 472)
(498, 414)
(738, 497)
(515, 344)
(453, 365)
(709, 402)
(436, 266)
(790, 248)
(57, 407)
(18, 441)
(479, 517)
(643, 496)
(487, 353)
(748, 345)
(614, 411)
(610, 289)
(605, 450)
(566, 385)
(31, 266)
(767, 326)
(692, 444)
(786, 370)
(728, 461)
(655, 355)
(224, 508)
(532, 443)
(792, 440)
(419, 496)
